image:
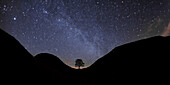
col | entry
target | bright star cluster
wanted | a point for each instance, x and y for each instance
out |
(85, 29)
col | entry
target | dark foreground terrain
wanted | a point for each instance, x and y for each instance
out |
(145, 62)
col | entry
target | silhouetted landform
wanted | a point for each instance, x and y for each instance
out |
(49, 68)
(143, 62)
(15, 61)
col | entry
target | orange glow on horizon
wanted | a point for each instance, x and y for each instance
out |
(167, 31)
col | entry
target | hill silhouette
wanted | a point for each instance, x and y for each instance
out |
(143, 62)
(49, 68)
(16, 62)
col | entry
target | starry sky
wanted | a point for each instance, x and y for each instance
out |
(84, 29)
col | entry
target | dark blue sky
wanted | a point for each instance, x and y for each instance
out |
(86, 29)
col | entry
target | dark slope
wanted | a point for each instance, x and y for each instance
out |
(15, 60)
(141, 62)
(50, 61)
(18, 66)
(49, 68)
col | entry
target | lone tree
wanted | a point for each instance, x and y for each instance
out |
(79, 63)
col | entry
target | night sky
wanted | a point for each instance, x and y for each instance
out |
(85, 29)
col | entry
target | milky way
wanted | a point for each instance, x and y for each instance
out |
(85, 29)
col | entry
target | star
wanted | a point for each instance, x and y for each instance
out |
(15, 18)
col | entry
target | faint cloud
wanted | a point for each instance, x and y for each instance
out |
(166, 31)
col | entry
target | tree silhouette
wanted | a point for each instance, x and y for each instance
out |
(79, 63)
